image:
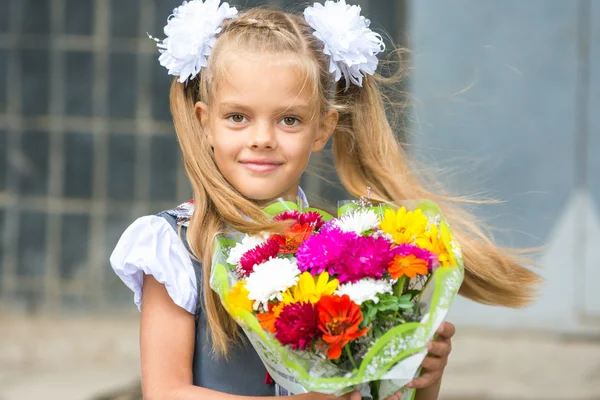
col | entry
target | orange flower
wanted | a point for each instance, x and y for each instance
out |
(409, 265)
(339, 320)
(294, 237)
(267, 320)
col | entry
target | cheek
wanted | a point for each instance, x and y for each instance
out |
(224, 147)
(298, 150)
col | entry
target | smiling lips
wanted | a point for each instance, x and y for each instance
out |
(260, 165)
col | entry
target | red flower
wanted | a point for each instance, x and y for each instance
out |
(287, 215)
(293, 237)
(258, 255)
(339, 320)
(297, 325)
(312, 218)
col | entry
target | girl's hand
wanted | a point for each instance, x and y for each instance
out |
(433, 365)
(321, 396)
(395, 396)
(437, 359)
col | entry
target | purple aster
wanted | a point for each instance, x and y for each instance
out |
(321, 252)
(345, 255)
(364, 257)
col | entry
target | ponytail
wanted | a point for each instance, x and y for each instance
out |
(367, 154)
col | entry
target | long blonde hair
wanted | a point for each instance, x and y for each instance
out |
(366, 154)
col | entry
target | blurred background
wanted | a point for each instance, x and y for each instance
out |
(506, 105)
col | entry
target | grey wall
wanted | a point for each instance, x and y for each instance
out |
(506, 92)
(508, 96)
(86, 143)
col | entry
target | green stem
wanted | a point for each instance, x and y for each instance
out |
(429, 279)
(349, 355)
(375, 393)
(399, 290)
(400, 286)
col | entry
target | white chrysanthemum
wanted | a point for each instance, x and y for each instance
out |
(365, 289)
(248, 243)
(191, 33)
(358, 221)
(270, 279)
(348, 40)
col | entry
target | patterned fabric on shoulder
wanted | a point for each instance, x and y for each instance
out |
(183, 213)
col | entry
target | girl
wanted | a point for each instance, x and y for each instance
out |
(256, 94)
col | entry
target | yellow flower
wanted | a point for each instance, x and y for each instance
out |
(405, 227)
(238, 300)
(310, 289)
(440, 243)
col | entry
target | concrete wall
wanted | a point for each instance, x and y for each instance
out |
(508, 95)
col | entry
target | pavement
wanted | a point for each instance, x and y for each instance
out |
(98, 359)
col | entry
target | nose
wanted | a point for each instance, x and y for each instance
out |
(262, 136)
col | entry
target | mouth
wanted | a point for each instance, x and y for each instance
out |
(260, 165)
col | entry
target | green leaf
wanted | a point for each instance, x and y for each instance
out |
(404, 297)
(387, 302)
(413, 293)
(279, 207)
(346, 208)
(371, 313)
(391, 307)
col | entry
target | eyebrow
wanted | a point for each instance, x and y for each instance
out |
(279, 111)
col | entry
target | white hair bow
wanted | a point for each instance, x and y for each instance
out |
(348, 40)
(192, 29)
(191, 33)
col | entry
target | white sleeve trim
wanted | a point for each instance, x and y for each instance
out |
(151, 246)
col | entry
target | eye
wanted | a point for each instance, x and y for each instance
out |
(290, 121)
(237, 118)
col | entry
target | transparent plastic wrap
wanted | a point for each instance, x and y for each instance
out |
(339, 304)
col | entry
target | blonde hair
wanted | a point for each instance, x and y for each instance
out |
(366, 154)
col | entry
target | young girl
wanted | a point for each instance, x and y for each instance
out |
(256, 94)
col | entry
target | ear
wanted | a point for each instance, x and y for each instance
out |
(327, 127)
(201, 110)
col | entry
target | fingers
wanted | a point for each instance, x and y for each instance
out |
(434, 363)
(395, 396)
(440, 348)
(351, 396)
(355, 396)
(446, 330)
(425, 380)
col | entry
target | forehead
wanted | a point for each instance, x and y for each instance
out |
(265, 79)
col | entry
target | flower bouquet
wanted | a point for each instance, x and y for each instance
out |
(339, 304)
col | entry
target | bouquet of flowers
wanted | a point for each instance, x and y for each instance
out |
(339, 304)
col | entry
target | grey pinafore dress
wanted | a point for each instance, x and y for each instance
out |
(243, 373)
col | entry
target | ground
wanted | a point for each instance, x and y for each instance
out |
(97, 359)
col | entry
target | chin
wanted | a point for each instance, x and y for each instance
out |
(261, 194)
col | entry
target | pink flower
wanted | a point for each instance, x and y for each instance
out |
(256, 256)
(320, 252)
(345, 255)
(297, 325)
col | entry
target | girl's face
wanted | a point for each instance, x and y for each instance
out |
(261, 126)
